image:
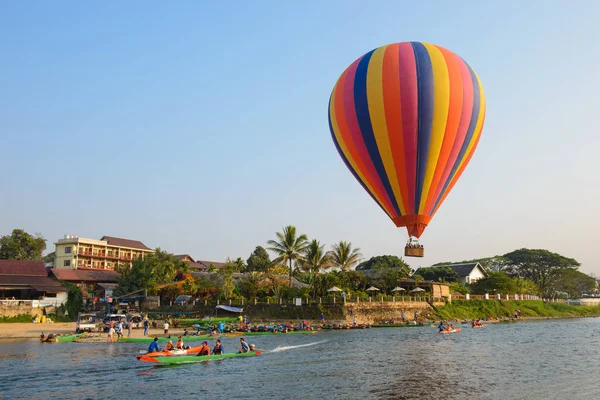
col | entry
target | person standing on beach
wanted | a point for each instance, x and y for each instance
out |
(129, 327)
(111, 332)
(146, 327)
(166, 327)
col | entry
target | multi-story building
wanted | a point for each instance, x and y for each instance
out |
(74, 252)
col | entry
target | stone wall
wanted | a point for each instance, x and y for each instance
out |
(18, 309)
(370, 313)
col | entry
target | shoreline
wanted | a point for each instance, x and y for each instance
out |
(28, 330)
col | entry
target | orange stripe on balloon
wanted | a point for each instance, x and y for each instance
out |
(345, 114)
(454, 112)
(393, 116)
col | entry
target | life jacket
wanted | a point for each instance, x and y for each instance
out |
(205, 351)
(169, 346)
(217, 349)
(180, 344)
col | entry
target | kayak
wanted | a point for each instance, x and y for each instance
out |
(192, 359)
(172, 353)
(478, 327)
(277, 333)
(166, 339)
(62, 338)
(396, 326)
(452, 331)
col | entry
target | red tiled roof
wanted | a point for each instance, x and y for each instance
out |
(22, 268)
(26, 280)
(78, 275)
(134, 244)
(184, 256)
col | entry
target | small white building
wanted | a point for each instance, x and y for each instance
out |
(468, 272)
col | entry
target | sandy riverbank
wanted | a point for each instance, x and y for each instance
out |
(31, 330)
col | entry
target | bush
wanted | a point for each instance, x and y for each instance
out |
(74, 300)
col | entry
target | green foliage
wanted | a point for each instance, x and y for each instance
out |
(20, 245)
(147, 273)
(259, 260)
(226, 285)
(493, 264)
(344, 256)
(458, 287)
(575, 283)
(315, 259)
(49, 258)
(495, 282)
(289, 247)
(18, 318)
(250, 284)
(382, 263)
(438, 274)
(74, 303)
(541, 266)
(459, 309)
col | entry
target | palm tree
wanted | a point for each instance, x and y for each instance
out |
(315, 259)
(288, 247)
(344, 256)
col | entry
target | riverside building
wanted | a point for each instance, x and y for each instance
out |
(74, 252)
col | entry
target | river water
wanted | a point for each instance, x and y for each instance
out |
(530, 360)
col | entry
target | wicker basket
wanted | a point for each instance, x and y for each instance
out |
(414, 251)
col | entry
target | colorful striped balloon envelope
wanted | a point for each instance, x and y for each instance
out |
(406, 119)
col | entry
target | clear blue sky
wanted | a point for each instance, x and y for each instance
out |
(202, 129)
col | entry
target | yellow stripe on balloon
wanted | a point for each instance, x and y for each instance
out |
(478, 125)
(441, 101)
(378, 121)
(347, 154)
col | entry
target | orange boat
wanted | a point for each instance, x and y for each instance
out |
(450, 331)
(176, 352)
(478, 326)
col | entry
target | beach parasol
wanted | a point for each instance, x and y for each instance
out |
(334, 289)
(398, 289)
(372, 289)
(418, 290)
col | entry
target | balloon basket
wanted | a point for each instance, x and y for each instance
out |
(414, 251)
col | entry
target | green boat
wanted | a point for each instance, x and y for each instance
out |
(165, 339)
(192, 359)
(68, 338)
(275, 333)
(399, 325)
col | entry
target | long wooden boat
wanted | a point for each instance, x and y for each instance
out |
(194, 359)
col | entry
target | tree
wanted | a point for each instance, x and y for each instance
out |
(49, 258)
(259, 260)
(20, 245)
(236, 265)
(315, 259)
(344, 256)
(147, 273)
(74, 302)
(541, 266)
(439, 274)
(575, 283)
(250, 284)
(382, 263)
(288, 247)
(495, 282)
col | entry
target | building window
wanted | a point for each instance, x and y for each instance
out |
(67, 263)
(68, 250)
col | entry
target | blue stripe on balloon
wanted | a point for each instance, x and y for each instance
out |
(343, 156)
(425, 99)
(361, 107)
(471, 130)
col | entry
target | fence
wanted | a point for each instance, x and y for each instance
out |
(337, 299)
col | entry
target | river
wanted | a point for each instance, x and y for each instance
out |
(528, 360)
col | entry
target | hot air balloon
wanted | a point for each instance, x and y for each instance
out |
(406, 119)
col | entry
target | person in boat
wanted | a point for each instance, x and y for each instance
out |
(153, 346)
(179, 344)
(441, 327)
(244, 346)
(204, 349)
(252, 347)
(42, 336)
(169, 346)
(218, 349)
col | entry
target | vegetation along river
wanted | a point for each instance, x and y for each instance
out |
(530, 360)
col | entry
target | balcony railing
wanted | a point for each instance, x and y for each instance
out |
(125, 257)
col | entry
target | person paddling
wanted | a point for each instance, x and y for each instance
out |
(441, 327)
(169, 346)
(153, 346)
(218, 349)
(179, 344)
(245, 348)
(204, 350)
